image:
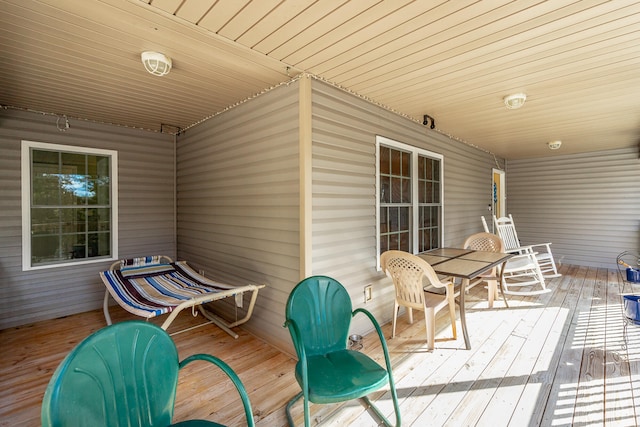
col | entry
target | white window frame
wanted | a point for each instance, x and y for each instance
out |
(415, 152)
(26, 201)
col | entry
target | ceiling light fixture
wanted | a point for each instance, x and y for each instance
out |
(515, 101)
(156, 63)
(554, 145)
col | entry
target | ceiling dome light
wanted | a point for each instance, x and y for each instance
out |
(156, 63)
(515, 101)
(554, 145)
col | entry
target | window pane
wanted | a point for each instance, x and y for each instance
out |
(428, 193)
(396, 162)
(429, 180)
(384, 243)
(99, 219)
(46, 190)
(45, 187)
(74, 163)
(98, 191)
(396, 190)
(45, 249)
(72, 220)
(404, 218)
(99, 183)
(406, 191)
(424, 237)
(73, 189)
(385, 160)
(435, 240)
(394, 220)
(435, 164)
(98, 244)
(405, 242)
(428, 168)
(45, 221)
(383, 220)
(406, 164)
(385, 189)
(394, 243)
(73, 178)
(45, 161)
(75, 245)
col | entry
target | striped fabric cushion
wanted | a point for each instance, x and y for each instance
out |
(151, 290)
(146, 270)
(140, 261)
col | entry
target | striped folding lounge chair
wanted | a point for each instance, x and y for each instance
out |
(155, 285)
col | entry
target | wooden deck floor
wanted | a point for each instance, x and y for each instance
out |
(555, 360)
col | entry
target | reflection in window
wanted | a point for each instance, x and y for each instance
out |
(409, 198)
(70, 209)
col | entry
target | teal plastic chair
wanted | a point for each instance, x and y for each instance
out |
(318, 315)
(124, 375)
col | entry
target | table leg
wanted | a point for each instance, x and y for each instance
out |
(463, 320)
(504, 297)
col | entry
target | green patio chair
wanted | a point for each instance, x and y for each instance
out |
(124, 375)
(318, 315)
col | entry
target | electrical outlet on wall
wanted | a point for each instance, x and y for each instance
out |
(368, 293)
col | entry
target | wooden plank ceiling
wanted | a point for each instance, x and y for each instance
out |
(577, 61)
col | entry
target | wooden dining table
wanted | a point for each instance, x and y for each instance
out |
(465, 264)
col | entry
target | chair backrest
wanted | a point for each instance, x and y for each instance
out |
(506, 229)
(320, 308)
(484, 225)
(408, 271)
(124, 372)
(488, 242)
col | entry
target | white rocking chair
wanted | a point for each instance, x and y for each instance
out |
(484, 225)
(521, 270)
(506, 229)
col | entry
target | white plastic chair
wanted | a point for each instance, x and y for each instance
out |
(407, 272)
(506, 229)
(490, 243)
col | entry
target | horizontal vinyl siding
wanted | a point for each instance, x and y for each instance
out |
(344, 214)
(146, 214)
(468, 189)
(587, 205)
(238, 203)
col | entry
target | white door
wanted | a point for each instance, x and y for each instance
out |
(498, 193)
